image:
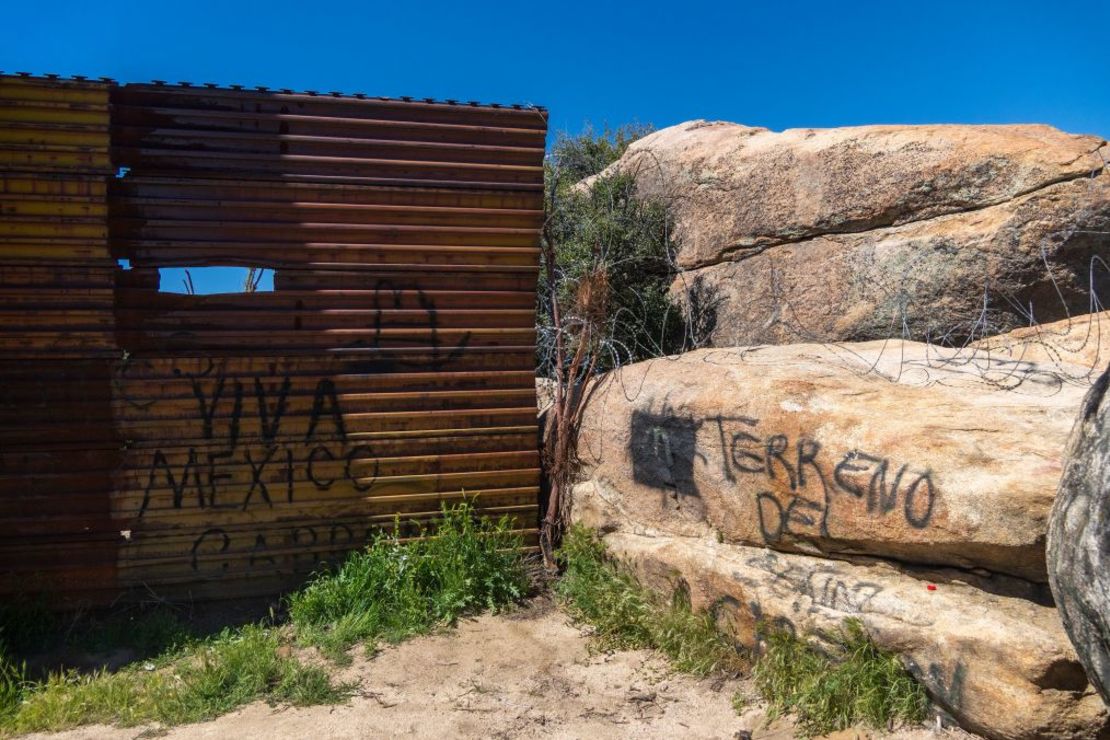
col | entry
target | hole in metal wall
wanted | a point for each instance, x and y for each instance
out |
(213, 280)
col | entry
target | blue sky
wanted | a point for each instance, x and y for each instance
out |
(773, 64)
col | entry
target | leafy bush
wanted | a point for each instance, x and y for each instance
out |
(396, 589)
(614, 254)
(626, 615)
(858, 682)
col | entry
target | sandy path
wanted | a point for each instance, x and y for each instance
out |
(523, 675)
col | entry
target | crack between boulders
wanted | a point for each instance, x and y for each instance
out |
(928, 572)
(739, 252)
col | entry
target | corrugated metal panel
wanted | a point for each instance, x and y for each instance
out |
(57, 340)
(236, 134)
(56, 274)
(53, 126)
(390, 370)
(221, 445)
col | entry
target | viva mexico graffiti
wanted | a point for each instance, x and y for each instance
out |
(202, 472)
(264, 473)
(256, 462)
(797, 484)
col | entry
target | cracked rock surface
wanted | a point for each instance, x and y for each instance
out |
(886, 448)
(939, 232)
(1001, 666)
(802, 485)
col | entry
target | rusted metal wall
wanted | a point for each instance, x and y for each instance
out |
(390, 370)
(57, 338)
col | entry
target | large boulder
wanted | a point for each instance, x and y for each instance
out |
(1001, 666)
(1079, 537)
(940, 232)
(886, 448)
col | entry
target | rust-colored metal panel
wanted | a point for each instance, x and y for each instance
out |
(223, 445)
(53, 126)
(262, 135)
(389, 371)
(57, 340)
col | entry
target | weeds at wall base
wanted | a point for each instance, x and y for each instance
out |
(201, 681)
(625, 615)
(390, 591)
(857, 683)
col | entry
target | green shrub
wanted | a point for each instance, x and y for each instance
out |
(613, 245)
(856, 683)
(394, 589)
(625, 615)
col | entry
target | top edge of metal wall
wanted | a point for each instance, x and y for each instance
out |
(160, 84)
(48, 78)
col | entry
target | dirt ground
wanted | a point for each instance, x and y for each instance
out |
(527, 674)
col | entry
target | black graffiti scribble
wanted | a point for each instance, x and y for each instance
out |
(663, 449)
(177, 485)
(297, 549)
(825, 587)
(949, 691)
(225, 543)
(800, 498)
(916, 489)
(388, 296)
(270, 420)
(207, 407)
(256, 477)
(261, 551)
(207, 472)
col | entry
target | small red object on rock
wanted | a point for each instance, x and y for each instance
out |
(931, 587)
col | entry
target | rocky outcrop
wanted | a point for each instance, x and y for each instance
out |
(937, 232)
(893, 449)
(1001, 666)
(890, 481)
(1079, 537)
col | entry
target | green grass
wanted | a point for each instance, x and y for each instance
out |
(856, 683)
(13, 682)
(395, 589)
(391, 590)
(625, 615)
(202, 680)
